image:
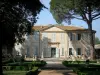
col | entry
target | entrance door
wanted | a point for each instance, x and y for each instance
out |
(53, 52)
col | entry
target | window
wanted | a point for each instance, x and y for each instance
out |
(70, 35)
(53, 37)
(62, 37)
(70, 51)
(62, 51)
(35, 50)
(78, 51)
(73, 37)
(36, 35)
(44, 35)
(27, 52)
(78, 36)
(88, 51)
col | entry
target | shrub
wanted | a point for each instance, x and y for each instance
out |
(93, 61)
(28, 64)
(14, 72)
(78, 61)
(6, 68)
(34, 71)
(65, 62)
(7, 61)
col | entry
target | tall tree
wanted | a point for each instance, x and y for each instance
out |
(97, 41)
(86, 10)
(14, 20)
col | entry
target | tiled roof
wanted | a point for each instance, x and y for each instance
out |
(66, 28)
(69, 28)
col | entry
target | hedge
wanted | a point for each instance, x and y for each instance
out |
(86, 72)
(82, 62)
(33, 63)
(23, 66)
(15, 72)
(34, 71)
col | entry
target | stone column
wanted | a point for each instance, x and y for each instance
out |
(25, 55)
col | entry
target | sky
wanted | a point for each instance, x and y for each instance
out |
(46, 18)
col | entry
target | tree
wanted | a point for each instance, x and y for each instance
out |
(97, 41)
(86, 10)
(14, 22)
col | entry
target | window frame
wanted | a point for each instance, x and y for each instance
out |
(62, 53)
(53, 37)
(70, 51)
(78, 36)
(78, 51)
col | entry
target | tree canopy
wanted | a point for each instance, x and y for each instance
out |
(14, 19)
(86, 10)
(97, 40)
(65, 10)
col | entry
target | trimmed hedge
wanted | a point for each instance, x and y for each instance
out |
(82, 68)
(15, 68)
(33, 63)
(78, 62)
(15, 72)
(86, 71)
(23, 66)
(34, 71)
(7, 61)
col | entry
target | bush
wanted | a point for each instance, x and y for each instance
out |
(25, 65)
(34, 71)
(13, 64)
(93, 61)
(7, 61)
(87, 70)
(77, 62)
(14, 72)
(6, 68)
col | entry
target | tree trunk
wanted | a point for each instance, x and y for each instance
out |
(91, 37)
(9, 51)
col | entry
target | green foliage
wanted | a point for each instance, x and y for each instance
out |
(14, 72)
(77, 62)
(17, 68)
(14, 20)
(86, 10)
(80, 64)
(97, 41)
(7, 61)
(65, 10)
(82, 68)
(34, 71)
(33, 63)
(87, 71)
(21, 70)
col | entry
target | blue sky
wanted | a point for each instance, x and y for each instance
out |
(45, 18)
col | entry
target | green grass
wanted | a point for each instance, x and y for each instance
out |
(15, 72)
(34, 70)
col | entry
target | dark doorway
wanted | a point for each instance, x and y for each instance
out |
(53, 52)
